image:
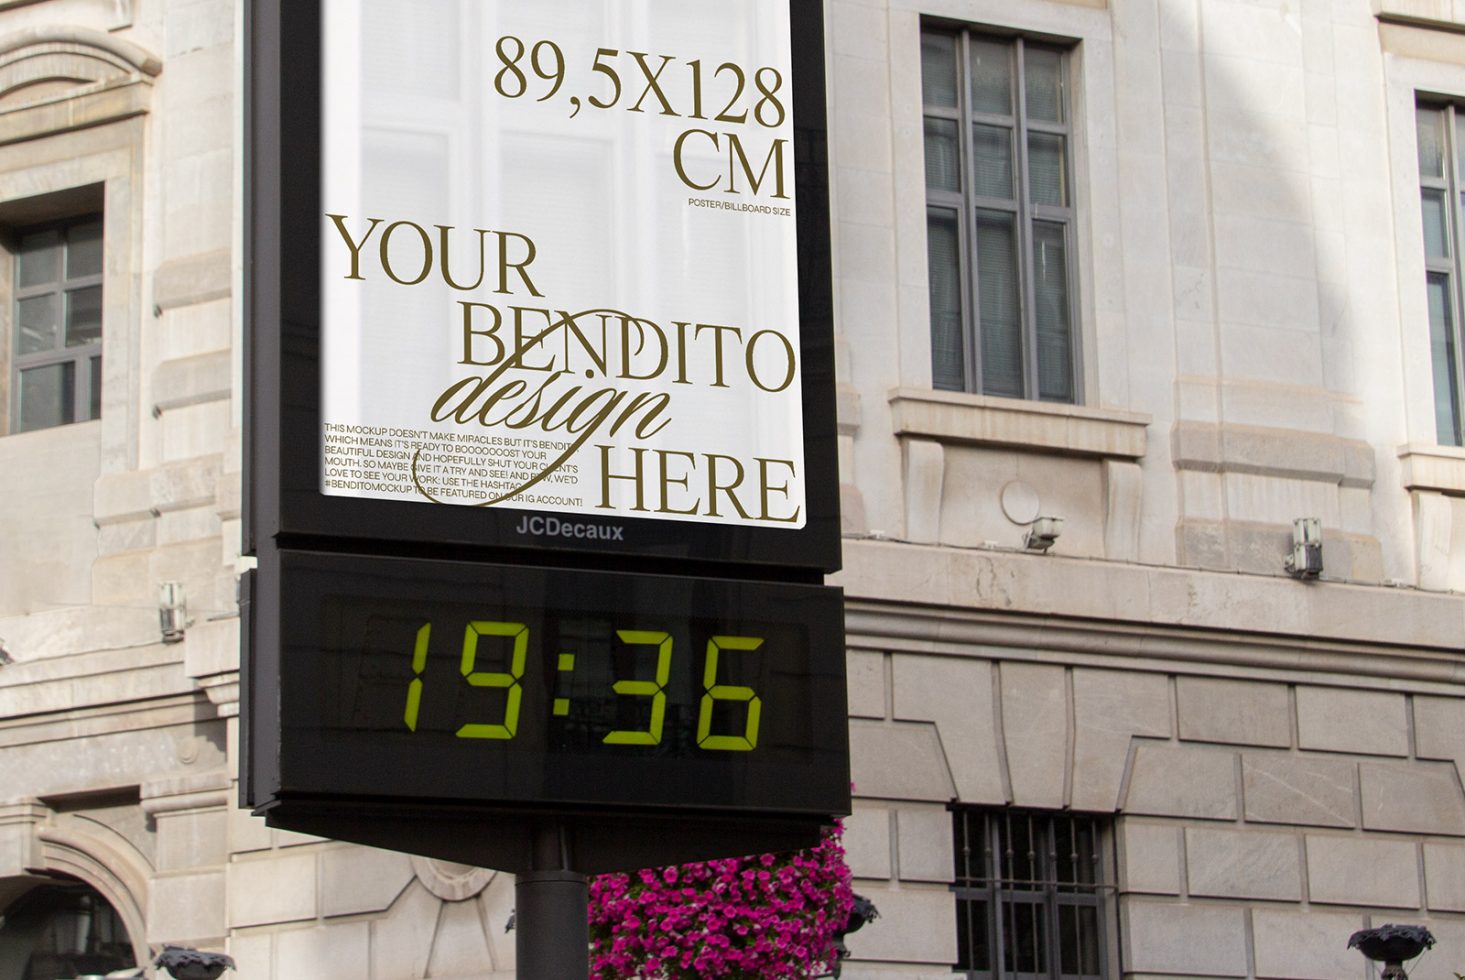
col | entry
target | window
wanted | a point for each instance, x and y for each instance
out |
(1029, 895)
(1441, 129)
(56, 366)
(62, 929)
(999, 215)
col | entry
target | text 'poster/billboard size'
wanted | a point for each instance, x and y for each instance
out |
(558, 258)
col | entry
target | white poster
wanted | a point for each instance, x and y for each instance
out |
(558, 258)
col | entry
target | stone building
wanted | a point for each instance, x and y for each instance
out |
(1178, 272)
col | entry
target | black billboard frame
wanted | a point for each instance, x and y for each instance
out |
(283, 504)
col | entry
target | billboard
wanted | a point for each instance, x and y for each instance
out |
(551, 276)
(559, 259)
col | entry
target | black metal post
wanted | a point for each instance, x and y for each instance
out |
(551, 919)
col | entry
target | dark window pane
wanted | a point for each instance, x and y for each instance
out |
(1078, 940)
(1444, 352)
(1050, 295)
(1436, 229)
(95, 400)
(37, 323)
(1026, 941)
(1000, 314)
(84, 250)
(943, 158)
(948, 347)
(992, 161)
(938, 70)
(1047, 175)
(40, 258)
(83, 316)
(974, 951)
(1043, 69)
(47, 396)
(991, 70)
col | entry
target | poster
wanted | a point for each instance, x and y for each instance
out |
(559, 266)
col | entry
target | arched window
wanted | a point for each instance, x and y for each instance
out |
(62, 930)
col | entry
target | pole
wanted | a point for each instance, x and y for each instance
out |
(551, 940)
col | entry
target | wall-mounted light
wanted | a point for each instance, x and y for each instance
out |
(1042, 533)
(1306, 558)
(172, 611)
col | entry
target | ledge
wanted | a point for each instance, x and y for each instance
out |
(1444, 14)
(1285, 453)
(1433, 468)
(1074, 430)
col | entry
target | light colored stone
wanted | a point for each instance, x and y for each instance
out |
(865, 677)
(355, 880)
(1363, 871)
(1183, 782)
(899, 761)
(925, 470)
(1299, 789)
(192, 839)
(925, 935)
(924, 838)
(339, 950)
(1294, 945)
(1340, 720)
(1238, 712)
(401, 941)
(1035, 733)
(1444, 876)
(460, 947)
(1149, 857)
(955, 693)
(1439, 729)
(1110, 708)
(1214, 939)
(186, 908)
(1243, 864)
(1413, 797)
(272, 889)
(867, 840)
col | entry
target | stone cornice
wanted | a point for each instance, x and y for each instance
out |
(1302, 620)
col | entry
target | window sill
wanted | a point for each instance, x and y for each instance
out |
(1425, 13)
(1072, 430)
(1440, 469)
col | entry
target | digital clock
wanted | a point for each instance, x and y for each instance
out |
(507, 688)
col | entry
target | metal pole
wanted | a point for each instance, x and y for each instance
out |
(551, 927)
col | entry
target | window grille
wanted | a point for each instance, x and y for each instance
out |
(1030, 895)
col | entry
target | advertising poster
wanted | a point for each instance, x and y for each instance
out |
(558, 258)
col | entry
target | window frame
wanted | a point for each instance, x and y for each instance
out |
(966, 203)
(1451, 265)
(1002, 894)
(87, 359)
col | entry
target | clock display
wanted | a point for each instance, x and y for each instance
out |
(506, 685)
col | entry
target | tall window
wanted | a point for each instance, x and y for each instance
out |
(999, 215)
(56, 362)
(1442, 195)
(1030, 891)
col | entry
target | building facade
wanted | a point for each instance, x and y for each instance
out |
(1125, 290)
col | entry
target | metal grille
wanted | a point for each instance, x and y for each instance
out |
(1030, 893)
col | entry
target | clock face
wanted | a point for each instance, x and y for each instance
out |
(548, 687)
